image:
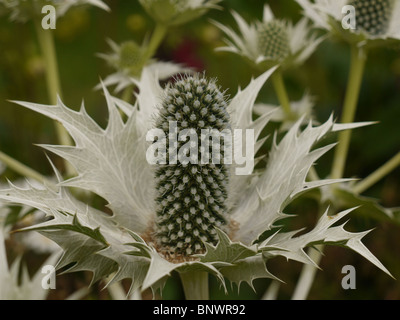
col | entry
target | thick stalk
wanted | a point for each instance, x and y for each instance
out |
(307, 275)
(117, 292)
(47, 47)
(280, 90)
(195, 285)
(3, 253)
(46, 42)
(358, 60)
(127, 93)
(377, 175)
(272, 292)
(158, 35)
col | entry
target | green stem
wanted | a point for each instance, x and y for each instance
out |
(358, 60)
(307, 275)
(22, 169)
(3, 254)
(158, 35)
(116, 290)
(127, 93)
(46, 42)
(272, 292)
(195, 285)
(377, 175)
(280, 89)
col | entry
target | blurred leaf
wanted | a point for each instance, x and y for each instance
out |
(369, 207)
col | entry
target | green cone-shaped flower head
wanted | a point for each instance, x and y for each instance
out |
(366, 23)
(373, 16)
(130, 58)
(273, 40)
(191, 198)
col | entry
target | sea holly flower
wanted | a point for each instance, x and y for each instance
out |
(270, 41)
(24, 10)
(194, 219)
(369, 23)
(177, 12)
(128, 60)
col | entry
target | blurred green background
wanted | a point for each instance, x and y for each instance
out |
(83, 32)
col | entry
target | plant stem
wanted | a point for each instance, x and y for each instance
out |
(46, 42)
(3, 253)
(158, 35)
(117, 292)
(358, 60)
(308, 274)
(195, 285)
(280, 89)
(127, 93)
(377, 175)
(272, 292)
(47, 47)
(23, 169)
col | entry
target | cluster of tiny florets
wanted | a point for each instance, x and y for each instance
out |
(191, 196)
(130, 58)
(372, 16)
(273, 40)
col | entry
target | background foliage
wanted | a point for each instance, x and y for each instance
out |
(82, 33)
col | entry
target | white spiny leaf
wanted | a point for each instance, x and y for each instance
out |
(284, 178)
(292, 247)
(109, 162)
(11, 288)
(241, 106)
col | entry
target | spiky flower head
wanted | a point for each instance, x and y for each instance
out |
(365, 22)
(140, 240)
(126, 57)
(177, 12)
(24, 10)
(271, 40)
(373, 16)
(191, 197)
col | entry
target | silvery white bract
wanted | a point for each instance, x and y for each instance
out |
(15, 284)
(177, 12)
(302, 109)
(24, 10)
(34, 241)
(111, 162)
(271, 40)
(375, 20)
(65, 5)
(128, 61)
